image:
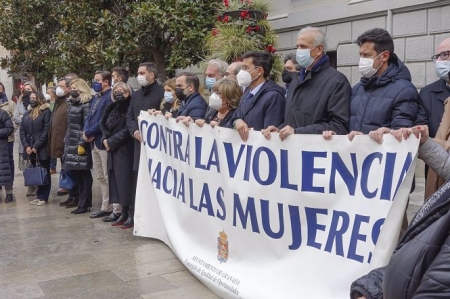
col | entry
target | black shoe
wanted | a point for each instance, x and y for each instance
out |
(100, 214)
(129, 223)
(111, 218)
(81, 210)
(9, 198)
(62, 192)
(122, 219)
(73, 203)
(66, 202)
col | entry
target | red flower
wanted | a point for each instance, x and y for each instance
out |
(226, 19)
(244, 14)
(215, 31)
(256, 28)
(219, 18)
(226, 3)
(249, 29)
(270, 49)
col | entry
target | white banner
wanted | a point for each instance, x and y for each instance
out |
(272, 219)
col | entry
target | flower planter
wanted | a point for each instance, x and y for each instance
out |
(244, 14)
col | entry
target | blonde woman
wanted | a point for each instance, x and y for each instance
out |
(223, 101)
(170, 103)
(77, 153)
(34, 136)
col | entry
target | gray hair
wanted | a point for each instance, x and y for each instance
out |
(319, 36)
(220, 64)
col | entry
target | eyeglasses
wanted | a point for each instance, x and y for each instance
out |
(444, 55)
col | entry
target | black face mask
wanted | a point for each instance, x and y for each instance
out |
(33, 103)
(180, 93)
(119, 97)
(74, 94)
(286, 76)
(26, 93)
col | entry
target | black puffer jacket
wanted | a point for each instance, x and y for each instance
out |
(78, 113)
(389, 100)
(34, 132)
(6, 129)
(420, 265)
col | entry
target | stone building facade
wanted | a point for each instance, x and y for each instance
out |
(417, 26)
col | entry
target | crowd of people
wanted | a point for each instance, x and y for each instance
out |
(101, 132)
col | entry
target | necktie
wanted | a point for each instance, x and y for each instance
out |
(247, 100)
(94, 109)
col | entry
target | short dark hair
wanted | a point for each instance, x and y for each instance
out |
(122, 73)
(260, 59)
(151, 68)
(381, 39)
(106, 76)
(291, 57)
(191, 79)
(66, 80)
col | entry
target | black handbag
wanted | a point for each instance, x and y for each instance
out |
(35, 176)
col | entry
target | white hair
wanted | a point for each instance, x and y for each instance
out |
(220, 64)
(319, 36)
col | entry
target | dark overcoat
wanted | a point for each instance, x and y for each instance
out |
(120, 155)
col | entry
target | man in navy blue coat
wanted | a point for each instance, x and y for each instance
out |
(385, 98)
(93, 133)
(193, 106)
(262, 104)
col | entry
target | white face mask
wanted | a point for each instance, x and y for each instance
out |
(142, 81)
(443, 69)
(366, 66)
(303, 57)
(59, 92)
(168, 97)
(244, 78)
(215, 101)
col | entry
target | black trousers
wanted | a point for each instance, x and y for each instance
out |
(84, 182)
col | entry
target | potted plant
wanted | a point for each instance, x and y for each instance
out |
(242, 26)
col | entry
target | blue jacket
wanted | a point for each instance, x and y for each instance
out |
(389, 100)
(431, 105)
(194, 106)
(266, 108)
(92, 124)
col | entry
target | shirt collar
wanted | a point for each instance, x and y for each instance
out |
(257, 88)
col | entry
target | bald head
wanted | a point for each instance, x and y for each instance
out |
(443, 46)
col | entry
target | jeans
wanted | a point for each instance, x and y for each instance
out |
(43, 191)
(53, 163)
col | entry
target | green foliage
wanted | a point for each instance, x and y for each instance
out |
(52, 37)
